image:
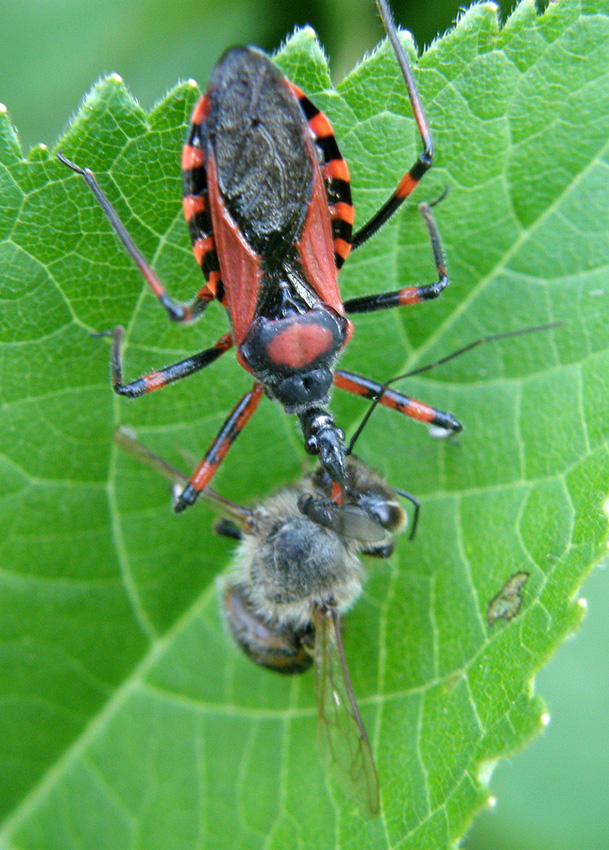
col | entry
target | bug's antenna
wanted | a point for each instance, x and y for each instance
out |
(454, 354)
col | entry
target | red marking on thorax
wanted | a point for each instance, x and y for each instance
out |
(299, 345)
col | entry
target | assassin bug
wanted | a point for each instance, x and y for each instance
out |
(291, 581)
(268, 204)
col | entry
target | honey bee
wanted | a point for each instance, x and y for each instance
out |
(296, 572)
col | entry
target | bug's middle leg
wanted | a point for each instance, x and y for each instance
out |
(409, 294)
(161, 378)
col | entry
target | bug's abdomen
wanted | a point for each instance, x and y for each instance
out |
(256, 135)
(195, 202)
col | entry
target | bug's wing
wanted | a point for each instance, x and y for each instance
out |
(343, 741)
(239, 263)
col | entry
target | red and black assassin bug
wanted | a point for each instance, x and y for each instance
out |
(268, 204)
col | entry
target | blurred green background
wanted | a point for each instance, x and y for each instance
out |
(555, 794)
(52, 51)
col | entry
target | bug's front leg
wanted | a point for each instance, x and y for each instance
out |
(236, 421)
(442, 424)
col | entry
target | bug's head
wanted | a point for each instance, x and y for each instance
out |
(292, 357)
(301, 390)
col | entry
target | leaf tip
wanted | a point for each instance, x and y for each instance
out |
(307, 32)
(478, 16)
(104, 84)
(485, 771)
(301, 56)
(39, 153)
(9, 141)
(488, 10)
(303, 40)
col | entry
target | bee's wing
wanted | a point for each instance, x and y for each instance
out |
(242, 517)
(346, 520)
(353, 521)
(342, 737)
(126, 440)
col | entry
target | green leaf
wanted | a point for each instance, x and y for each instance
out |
(126, 716)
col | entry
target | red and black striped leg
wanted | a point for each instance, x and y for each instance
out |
(424, 161)
(229, 432)
(443, 424)
(238, 518)
(168, 375)
(410, 294)
(176, 311)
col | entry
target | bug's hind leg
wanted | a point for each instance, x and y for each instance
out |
(424, 161)
(177, 311)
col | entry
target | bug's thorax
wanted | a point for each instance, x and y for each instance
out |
(293, 355)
